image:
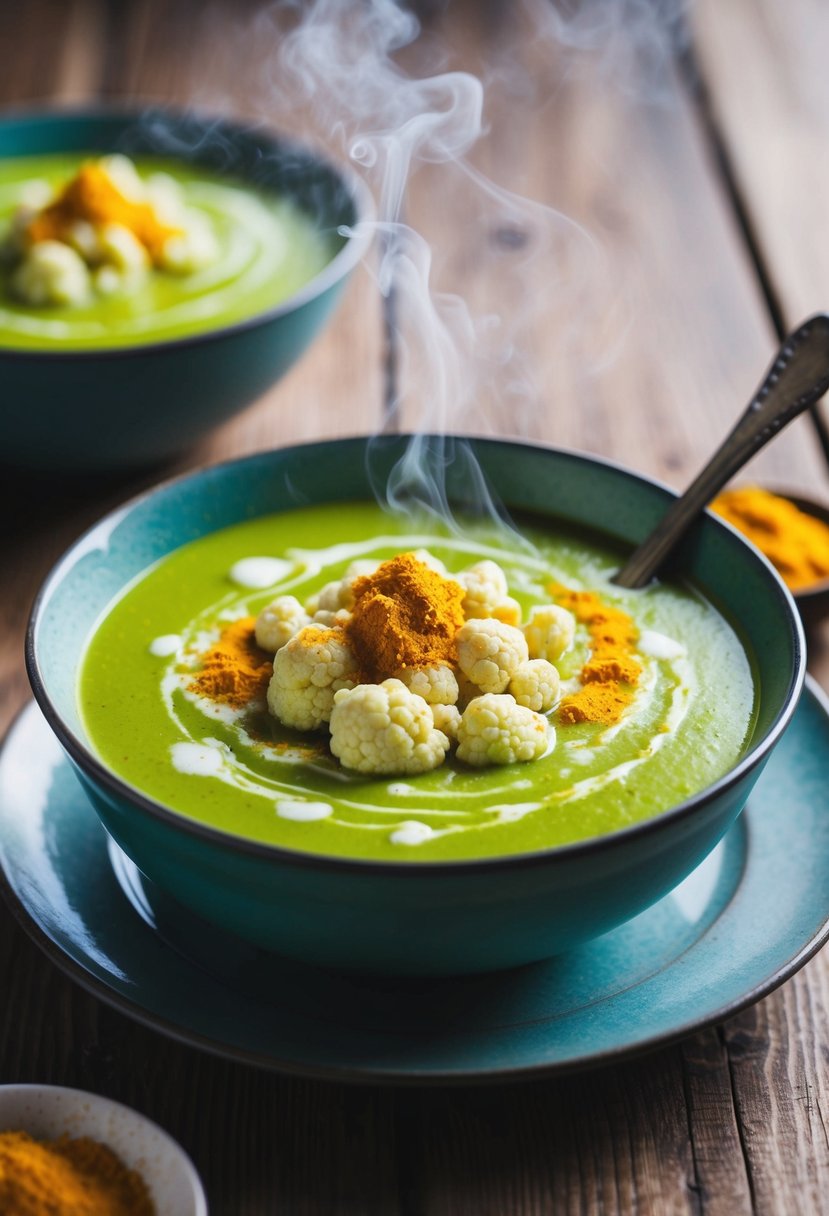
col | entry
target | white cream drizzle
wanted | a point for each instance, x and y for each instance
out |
(257, 573)
(304, 812)
(165, 645)
(411, 832)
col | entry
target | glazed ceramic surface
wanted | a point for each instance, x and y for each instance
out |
(436, 917)
(753, 912)
(130, 406)
(49, 1111)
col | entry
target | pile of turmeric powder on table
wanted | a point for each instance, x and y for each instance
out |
(67, 1177)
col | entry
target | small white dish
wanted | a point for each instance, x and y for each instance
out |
(49, 1111)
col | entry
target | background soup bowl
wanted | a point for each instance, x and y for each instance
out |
(439, 917)
(132, 405)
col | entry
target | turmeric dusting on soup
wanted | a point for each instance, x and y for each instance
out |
(67, 1177)
(795, 543)
(611, 673)
(235, 671)
(92, 196)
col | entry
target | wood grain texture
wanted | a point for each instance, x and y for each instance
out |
(641, 329)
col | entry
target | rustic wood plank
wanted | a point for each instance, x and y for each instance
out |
(771, 104)
(643, 337)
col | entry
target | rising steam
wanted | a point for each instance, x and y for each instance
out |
(344, 70)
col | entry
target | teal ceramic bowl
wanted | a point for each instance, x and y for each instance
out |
(127, 406)
(420, 917)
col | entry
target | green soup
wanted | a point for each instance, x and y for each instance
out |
(269, 248)
(244, 773)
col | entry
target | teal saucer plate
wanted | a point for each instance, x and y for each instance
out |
(743, 922)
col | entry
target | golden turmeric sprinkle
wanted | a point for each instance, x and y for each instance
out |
(795, 543)
(67, 1177)
(405, 615)
(235, 670)
(611, 673)
(92, 196)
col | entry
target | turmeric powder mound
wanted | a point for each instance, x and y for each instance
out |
(91, 195)
(67, 1177)
(795, 543)
(235, 671)
(611, 672)
(405, 615)
(603, 703)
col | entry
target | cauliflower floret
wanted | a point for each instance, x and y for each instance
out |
(434, 563)
(489, 653)
(385, 728)
(279, 621)
(329, 619)
(333, 597)
(123, 249)
(437, 685)
(307, 671)
(51, 273)
(486, 585)
(495, 729)
(124, 176)
(535, 685)
(193, 248)
(447, 719)
(549, 632)
(508, 611)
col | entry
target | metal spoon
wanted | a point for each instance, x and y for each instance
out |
(798, 377)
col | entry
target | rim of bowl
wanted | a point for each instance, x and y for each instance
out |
(337, 268)
(89, 1096)
(86, 759)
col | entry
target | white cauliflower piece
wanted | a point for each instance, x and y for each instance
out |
(434, 563)
(124, 176)
(279, 621)
(486, 585)
(489, 653)
(334, 596)
(122, 249)
(508, 611)
(361, 567)
(385, 728)
(51, 273)
(193, 248)
(495, 729)
(307, 673)
(437, 685)
(84, 238)
(447, 719)
(535, 685)
(328, 619)
(549, 632)
(166, 199)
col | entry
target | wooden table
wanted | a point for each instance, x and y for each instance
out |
(691, 192)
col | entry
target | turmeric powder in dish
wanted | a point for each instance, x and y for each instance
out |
(67, 1177)
(795, 543)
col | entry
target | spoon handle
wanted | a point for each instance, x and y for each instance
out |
(798, 377)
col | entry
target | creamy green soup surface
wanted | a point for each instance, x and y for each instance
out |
(242, 772)
(268, 249)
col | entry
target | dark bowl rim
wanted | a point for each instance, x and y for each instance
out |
(336, 269)
(85, 759)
